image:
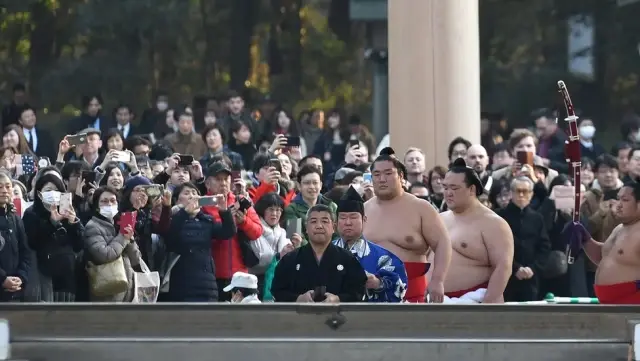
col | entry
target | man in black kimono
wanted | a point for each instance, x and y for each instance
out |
(319, 271)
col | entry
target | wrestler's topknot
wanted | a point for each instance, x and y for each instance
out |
(388, 154)
(387, 151)
(459, 162)
(471, 176)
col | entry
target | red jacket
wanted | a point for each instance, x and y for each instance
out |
(226, 253)
(258, 192)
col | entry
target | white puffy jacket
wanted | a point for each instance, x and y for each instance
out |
(272, 241)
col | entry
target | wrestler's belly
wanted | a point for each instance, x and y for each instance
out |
(610, 271)
(405, 252)
(464, 275)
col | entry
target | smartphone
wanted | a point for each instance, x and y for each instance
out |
(154, 191)
(89, 176)
(293, 141)
(275, 163)
(367, 178)
(25, 164)
(319, 293)
(353, 142)
(236, 174)
(611, 194)
(66, 202)
(207, 201)
(127, 219)
(76, 139)
(17, 203)
(244, 204)
(121, 156)
(294, 226)
(185, 159)
(525, 158)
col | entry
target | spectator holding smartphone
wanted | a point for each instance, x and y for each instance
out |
(56, 236)
(273, 243)
(230, 255)
(178, 172)
(135, 199)
(267, 174)
(190, 237)
(104, 244)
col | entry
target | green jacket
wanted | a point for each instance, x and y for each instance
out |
(298, 209)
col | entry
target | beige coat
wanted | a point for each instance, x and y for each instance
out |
(187, 144)
(103, 244)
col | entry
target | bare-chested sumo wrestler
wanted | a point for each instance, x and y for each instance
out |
(618, 258)
(482, 241)
(407, 226)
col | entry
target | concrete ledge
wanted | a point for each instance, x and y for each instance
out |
(317, 352)
(438, 322)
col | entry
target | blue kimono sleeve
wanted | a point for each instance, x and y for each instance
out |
(393, 278)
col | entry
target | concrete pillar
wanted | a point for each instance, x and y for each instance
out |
(377, 38)
(434, 75)
(380, 119)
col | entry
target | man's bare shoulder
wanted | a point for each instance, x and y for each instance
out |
(371, 202)
(615, 231)
(425, 207)
(489, 219)
(446, 215)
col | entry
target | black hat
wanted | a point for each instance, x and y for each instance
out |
(471, 174)
(351, 201)
(216, 168)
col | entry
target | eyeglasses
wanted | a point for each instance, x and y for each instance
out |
(522, 191)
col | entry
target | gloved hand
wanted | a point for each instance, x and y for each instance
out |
(576, 236)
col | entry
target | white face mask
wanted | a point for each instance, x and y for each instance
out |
(50, 197)
(109, 211)
(587, 131)
(162, 106)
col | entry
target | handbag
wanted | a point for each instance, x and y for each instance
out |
(146, 285)
(107, 279)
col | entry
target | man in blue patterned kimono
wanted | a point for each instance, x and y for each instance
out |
(386, 275)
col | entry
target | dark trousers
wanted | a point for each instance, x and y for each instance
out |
(521, 290)
(260, 286)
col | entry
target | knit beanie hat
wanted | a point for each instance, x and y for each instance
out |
(134, 182)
